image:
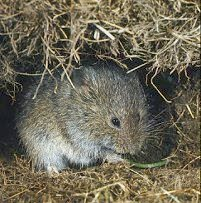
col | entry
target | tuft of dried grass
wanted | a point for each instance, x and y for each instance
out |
(106, 183)
(37, 37)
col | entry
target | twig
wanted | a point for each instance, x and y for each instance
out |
(140, 66)
(189, 163)
(121, 184)
(17, 194)
(170, 195)
(105, 31)
(40, 83)
(152, 78)
(189, 110)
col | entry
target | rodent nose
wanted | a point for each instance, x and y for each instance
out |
(128, 148)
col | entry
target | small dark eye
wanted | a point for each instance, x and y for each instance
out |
(116, 122)
(85, 114)
(137, 117)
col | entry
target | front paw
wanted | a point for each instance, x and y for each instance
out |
(114, 158)
(52, 171)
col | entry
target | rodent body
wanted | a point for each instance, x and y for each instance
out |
(103, 118)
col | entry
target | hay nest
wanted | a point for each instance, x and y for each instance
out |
(37, 37)
(40, 36)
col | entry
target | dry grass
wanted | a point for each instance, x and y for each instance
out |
(37, 37)
(106, 183)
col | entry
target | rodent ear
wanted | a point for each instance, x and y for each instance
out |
(79, 79)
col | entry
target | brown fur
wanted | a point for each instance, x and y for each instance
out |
(104, 117)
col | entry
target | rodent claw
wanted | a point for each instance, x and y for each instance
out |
(52, 171)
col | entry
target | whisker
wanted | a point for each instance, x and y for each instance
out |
(158, 129)
(160, 113)
(155, 123)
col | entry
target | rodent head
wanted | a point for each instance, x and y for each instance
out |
(108, 109)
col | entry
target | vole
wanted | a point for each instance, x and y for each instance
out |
(103, 117)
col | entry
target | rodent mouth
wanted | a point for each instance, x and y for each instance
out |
(111, 150)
